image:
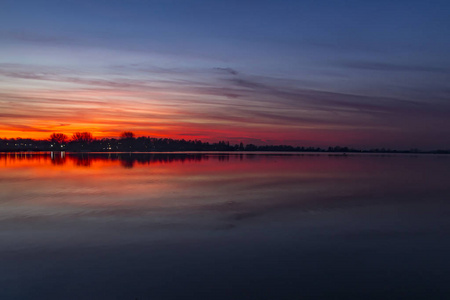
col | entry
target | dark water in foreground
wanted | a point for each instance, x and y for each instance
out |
(224, 227)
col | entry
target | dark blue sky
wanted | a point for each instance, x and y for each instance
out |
(358, 73)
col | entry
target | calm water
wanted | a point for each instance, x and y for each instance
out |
(217, 226)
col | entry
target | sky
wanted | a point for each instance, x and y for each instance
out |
(306, 73)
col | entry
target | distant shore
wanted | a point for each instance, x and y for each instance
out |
(85, 142)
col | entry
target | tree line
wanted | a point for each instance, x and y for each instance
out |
(128, 142)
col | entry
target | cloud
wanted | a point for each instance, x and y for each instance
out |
(28, 36)
(227, 71)
(391, 67)
(207, 104)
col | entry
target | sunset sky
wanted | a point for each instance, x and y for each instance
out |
(306, 73)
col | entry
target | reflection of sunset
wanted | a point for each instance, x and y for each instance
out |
(175, 180)
(148, 179)
(120, 209)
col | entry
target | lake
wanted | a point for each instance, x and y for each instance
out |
(224, 226)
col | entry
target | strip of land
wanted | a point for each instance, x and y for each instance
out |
(85, 142)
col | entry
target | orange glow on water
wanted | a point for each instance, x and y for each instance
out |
(147, 179)
(159, 180)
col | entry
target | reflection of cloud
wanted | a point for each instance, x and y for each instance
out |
(226, 195)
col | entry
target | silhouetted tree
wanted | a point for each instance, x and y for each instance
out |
(127, 135)
(59, 138)
(83, 137)
(251, 147)
(85, 142)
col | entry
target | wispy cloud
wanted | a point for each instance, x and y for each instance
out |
(393, 67)
(35, 37)
(207, 102)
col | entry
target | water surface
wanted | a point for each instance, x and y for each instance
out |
(219, 226)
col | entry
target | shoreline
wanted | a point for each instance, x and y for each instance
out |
(329, 153)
